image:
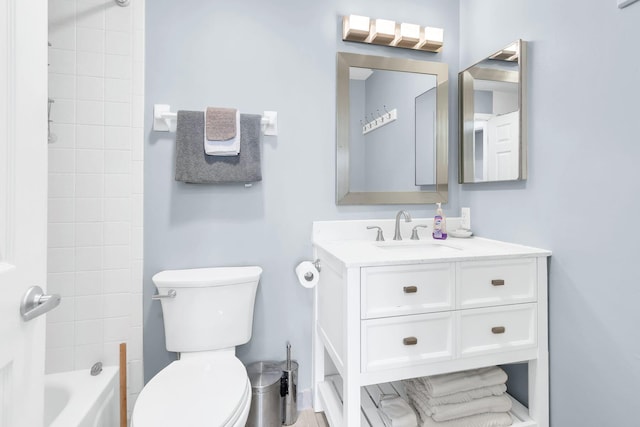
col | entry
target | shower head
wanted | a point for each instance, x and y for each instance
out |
(123, 3)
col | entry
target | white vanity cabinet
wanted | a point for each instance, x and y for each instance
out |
(380, 318)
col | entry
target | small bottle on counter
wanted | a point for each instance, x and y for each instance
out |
(439, 224)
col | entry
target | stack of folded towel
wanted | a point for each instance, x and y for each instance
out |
(474, 398)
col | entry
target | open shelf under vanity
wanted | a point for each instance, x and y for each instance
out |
(331, 395)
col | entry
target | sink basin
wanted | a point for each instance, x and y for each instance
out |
(417, 247)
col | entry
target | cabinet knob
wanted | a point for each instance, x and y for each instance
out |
(497, 282)
(410, 289)
(498, 329)
(410, 341)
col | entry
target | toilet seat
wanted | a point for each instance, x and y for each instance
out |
(195, 392)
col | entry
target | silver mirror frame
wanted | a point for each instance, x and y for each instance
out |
(466, 114)
(440, 70)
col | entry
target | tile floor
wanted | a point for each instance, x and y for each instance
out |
(309, 418)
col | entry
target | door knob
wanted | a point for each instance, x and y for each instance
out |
(35, 303)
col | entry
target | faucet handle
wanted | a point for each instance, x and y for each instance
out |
(414, 232)
(380, 236)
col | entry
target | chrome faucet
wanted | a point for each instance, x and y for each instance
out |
(407, 218)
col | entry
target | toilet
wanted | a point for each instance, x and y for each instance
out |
(207, 313)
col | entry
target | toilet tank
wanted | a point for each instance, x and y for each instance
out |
(212, 308)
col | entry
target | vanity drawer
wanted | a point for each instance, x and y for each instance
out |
(406, 340)
(496, 329)
(491, 283)
(407, 289)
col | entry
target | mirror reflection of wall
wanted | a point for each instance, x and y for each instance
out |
(492, 140)
(385, 158)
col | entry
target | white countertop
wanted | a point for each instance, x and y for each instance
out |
(361, 253)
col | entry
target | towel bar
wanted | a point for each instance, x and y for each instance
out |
(162, 118)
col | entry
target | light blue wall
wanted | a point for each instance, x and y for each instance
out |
(581, 197)
(257, 55)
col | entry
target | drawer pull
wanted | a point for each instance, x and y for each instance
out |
(410, 289)
(498, 329)
(497, 282)
(410, 341)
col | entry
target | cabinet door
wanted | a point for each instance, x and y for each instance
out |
(496, 329)
(406, 340)
(492, 283)
(407, 289)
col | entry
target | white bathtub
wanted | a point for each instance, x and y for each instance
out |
(76, 399)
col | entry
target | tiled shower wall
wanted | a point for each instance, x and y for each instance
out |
(96, 73)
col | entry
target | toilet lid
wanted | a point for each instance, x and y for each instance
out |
(187, 392)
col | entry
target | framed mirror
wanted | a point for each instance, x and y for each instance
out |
(493, 131)
(392, 130)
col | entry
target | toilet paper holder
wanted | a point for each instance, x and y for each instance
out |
(309, 275)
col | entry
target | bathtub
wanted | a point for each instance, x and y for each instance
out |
(77, 399)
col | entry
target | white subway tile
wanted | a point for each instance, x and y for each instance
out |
(116, 329)
(90, 113)
(59, 334)
(137, 144)
(61, 185)
(116, 257)
(117, 138)
(89, 234)
(111, 352)
(88, 258)
(87, 355)
(138, 45)
(138, 78)
(136, 274)
(117, 67)
(137, 210)
(88, 283)
(89, 307)
(90, 64)
(117, 113)
(136, 242)
(61, 210)
(117, 209)
(88, 136)
(90, 40)
(63, 111)
(89, 162)
(61, 13)
(117, 161)
(116, 305)
(136, 310)
(117, 185)
(135, 377)
(118, 43)
(62, 36)
(116, 281)
(134, 343)
(90, 185)
(62, 61)
(89, 332)
(89, 210)
(59, 360)
(65, 312)
(137, 111)
(138, 15)
(117, 90)
(62, 86)
(61, 160)
(90, 15)
(119, 19)
(61, 235)
(65, 135)
(117, 233)
(61, 283)
(60, 260)
(90, 88)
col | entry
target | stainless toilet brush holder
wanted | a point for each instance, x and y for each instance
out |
(289, 390)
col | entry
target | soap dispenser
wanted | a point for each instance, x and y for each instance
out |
(439, 224)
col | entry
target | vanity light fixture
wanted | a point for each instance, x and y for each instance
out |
(363, 29)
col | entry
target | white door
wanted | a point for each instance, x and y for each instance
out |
(23, 206)
(503, 147)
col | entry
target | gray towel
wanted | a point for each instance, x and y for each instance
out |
(194, 166)
(221, 123)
